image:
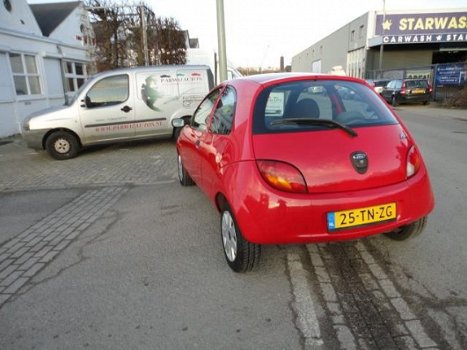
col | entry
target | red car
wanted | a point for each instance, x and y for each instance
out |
(283, 164)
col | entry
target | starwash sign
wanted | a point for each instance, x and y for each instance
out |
(422, 28)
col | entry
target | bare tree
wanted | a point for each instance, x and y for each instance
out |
(170, 42)
(119, 32)
(108, 21)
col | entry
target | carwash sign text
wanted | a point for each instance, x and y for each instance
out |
(422, 28)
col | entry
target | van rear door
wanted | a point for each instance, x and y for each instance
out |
(194, 85)
(107, 110)
(166, 94)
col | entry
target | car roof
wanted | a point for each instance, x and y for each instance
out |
(141, 69)
(266, 79)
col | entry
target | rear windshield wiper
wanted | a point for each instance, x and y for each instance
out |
(312, 121)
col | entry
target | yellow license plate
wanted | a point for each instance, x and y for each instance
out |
(418, 91)
(362, 216)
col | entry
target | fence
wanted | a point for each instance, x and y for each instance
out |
(448, 79)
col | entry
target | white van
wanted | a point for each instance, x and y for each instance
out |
(122, 104)
(210, 58)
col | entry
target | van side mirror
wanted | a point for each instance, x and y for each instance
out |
(87, 101)
(179, 122)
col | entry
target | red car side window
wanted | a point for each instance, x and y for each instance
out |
(201, 117)
(222, 118)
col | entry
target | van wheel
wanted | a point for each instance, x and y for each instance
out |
(62, 145)
(183, 176)
(240, 254)
(408, 231)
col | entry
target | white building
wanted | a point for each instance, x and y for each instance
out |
(44, 54)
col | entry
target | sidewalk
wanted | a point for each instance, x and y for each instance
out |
(456, 113)
(147, 162)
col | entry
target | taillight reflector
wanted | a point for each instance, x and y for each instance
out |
(413, 161)
(282, 176)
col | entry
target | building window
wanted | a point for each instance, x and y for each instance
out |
(75, 75)
(352, 36)
(360, 31)
(25, 74)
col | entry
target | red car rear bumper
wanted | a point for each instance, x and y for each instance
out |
(268, 216)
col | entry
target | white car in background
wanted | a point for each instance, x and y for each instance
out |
(378, 84)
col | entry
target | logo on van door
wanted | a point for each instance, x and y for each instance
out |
(150, 93)
(164, 91)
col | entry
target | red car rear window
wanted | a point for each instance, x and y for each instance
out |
(281, 107)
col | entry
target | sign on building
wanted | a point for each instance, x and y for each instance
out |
(451, 74)
(422, 28)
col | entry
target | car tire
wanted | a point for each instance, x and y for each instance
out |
(408, 231)
(241, 255)
(393, 101)
(426, 103)
(183, 176)
(62, 145)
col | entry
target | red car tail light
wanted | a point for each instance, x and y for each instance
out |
(413, 161)
(403, 91)
(282, 176)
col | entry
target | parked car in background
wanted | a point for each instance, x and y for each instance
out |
(407, 91)
(285, 165)
(378, 84)
(122, 104)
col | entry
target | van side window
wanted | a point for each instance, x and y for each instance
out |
(225, 110)
(201, 117)
(108, 91)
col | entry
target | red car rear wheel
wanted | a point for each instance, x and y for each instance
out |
(408, 231)
(240, 254)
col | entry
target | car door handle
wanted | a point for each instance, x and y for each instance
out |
(126, 109)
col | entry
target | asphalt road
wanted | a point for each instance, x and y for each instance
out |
(145, 269)
(433, 267)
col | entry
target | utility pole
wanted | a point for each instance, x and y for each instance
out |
(221, 40)
(144, 36)
(381, 48)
